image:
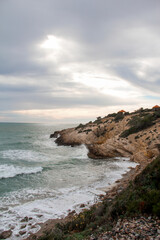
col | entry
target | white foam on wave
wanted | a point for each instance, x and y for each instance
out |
(40, 210)
(115, 170)
(45, 142)
(27, 155)
(43, 204)
(80, 152)
(9, 171)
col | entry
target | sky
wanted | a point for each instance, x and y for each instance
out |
(75, 60)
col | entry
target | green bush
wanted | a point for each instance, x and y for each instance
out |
(119, 117)
(80, 126)
(112, 115)
(138, 123)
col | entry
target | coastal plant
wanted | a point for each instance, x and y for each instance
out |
(112, 115)
(138, 123)
(80, 126)
(119, 117)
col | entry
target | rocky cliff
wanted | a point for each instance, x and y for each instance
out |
(135, 135)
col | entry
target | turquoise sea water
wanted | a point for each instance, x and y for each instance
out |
(41, 180)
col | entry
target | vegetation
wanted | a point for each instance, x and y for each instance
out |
(111, 114)
(140, 122)
(80, 126)
(119, 117)
(141, 197)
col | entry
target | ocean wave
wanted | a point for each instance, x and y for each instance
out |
(53, 205)
(9, 171)
(81, 152)
(27, 155)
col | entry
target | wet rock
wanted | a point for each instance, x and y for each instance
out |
(23, 226)
(72, 213)
(22, 232)
(25, 219)
(82, 205)
(34, 226)
(5, 234)
(55, 134)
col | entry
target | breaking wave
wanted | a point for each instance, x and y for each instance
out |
(10, 171)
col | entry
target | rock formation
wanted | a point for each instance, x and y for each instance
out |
(135, 135)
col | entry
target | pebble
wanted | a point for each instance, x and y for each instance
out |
(146, 228)
(23, 226)
(22, 232)
(25, 219)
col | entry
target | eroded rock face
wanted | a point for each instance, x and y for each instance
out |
(103, 139)
(55, 134)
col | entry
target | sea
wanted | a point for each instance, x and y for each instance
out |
(40, 180)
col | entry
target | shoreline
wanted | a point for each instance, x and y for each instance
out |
(110, 192)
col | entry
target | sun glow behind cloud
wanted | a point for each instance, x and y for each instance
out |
(52, 42)
(55, 49)
(87, 58)
(66, 53)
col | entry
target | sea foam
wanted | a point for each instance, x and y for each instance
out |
(9, 171)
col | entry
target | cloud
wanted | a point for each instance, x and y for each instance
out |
(76, 54)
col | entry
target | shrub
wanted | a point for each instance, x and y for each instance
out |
(119, 117)
(112, 115)
(138, 123)
(80, 126)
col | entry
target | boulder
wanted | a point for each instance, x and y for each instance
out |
(5, 234)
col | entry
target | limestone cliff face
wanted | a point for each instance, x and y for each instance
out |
(104, 137)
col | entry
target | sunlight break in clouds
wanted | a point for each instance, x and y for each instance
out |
(52, 42)
(55, 49)
(90, 74)
(84, 58)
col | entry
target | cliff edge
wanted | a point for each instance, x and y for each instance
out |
(135, 135)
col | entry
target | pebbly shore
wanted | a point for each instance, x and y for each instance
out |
(146, 228)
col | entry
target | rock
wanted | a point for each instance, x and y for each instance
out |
(136, 228)
(55, 134)
(72, 213)
(82, 205)
(25, 219)
(5, 234)
(105, 141)
(23, 226)
(22, 232)
(34, 226)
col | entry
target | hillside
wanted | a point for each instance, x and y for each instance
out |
(135, 135)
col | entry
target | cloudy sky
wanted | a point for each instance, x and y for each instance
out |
(72, 60)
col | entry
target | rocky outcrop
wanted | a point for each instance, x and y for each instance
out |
(103, 138)
(55, 134)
